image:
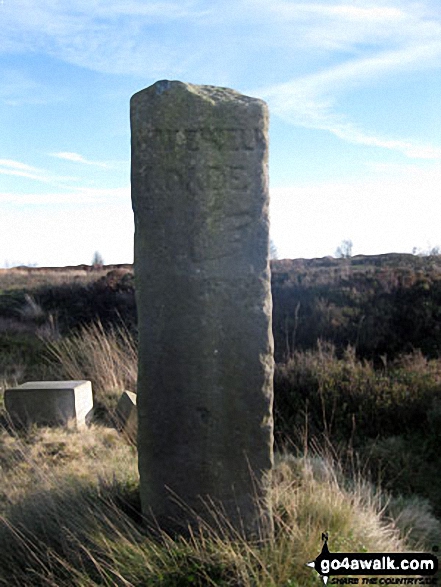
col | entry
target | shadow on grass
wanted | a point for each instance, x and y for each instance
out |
(80, 535)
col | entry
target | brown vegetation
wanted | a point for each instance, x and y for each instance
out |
(69, 504)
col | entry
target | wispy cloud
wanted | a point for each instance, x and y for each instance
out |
(301, 10)
(312, 100)
(63, 188)
(118, 37)
(339, 25)
(374, 13)
(358, 71)
(360, 42)
(19, 169)
(379, 38)
(77, 158)
(76, 197)
(316, 14)
(169, 37)
(411, 149)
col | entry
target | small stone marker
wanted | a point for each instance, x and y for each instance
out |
(50, 403)
(205, 379)
(127, 416)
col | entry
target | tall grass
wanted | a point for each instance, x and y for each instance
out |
(107, 358)
(78, 522)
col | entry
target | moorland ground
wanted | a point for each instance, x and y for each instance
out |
(357, 429)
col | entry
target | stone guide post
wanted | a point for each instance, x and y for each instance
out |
(205, 381)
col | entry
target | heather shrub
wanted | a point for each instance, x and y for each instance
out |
(347, 398)
(109, 299)
(389, 417)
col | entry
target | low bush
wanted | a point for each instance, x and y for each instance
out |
(390, 416)
(109, 300)
(348, 398)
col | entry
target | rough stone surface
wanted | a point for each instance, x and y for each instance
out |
(50, 403)
(127, 416)
(200, 199)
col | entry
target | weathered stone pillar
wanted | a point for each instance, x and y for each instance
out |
(205, 382)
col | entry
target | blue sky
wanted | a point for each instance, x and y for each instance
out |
(353, 89)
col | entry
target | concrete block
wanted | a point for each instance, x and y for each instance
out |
(127, 416)
(50, 403)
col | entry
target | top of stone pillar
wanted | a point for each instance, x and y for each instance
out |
(199, 175)
(228, 101)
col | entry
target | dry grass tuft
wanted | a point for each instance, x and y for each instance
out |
(108, 359)
(71, 517)
(34, 458)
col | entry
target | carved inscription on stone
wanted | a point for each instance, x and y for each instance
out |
(195, 139)
(212, 178)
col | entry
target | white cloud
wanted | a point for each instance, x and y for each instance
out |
(323, 87)
(18, 165)
(77, 158)
(379, 38)
(312, 100)
(68, 236)
(411, 149)
(384, 213)
(140, 8)
(169, 38)
(376, 13)
(351, 27)
(73, 197)
(316, 13)
(19, 169)
(116, 37)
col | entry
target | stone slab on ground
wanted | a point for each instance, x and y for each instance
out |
(50, 403)
(127, 416)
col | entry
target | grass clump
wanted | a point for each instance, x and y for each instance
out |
(33, 458)
(71, 516)
(107, 358)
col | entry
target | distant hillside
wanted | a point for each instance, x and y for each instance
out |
(382, 305)
(395, 266)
